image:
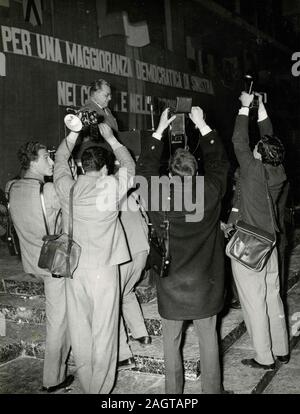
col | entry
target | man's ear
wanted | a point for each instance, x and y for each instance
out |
(32, 165)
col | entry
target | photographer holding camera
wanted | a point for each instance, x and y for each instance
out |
(261, 172)
(194, 287)
(93, 294)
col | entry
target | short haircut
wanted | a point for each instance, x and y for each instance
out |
(29, 152)
(271, 149)
(94, 158)
(98, 84)
(183, 163)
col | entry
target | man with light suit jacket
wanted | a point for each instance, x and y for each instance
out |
(93, 294)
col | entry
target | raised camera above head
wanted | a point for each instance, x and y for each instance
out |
(183, 106)
(249, 88)
(87, 117)
(177, 128)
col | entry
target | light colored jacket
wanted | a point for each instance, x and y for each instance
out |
(97, 228)
(135, 225)
(26, 213)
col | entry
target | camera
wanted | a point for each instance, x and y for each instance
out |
(177, 128)
(249, 82)
(88, 118)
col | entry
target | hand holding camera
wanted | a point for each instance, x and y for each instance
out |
(164, 121)
(106, 132)
(246, 99)
(197, 116)
(75, 119)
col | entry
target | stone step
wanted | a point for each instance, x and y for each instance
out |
(30, 373)
(237, 378)
(246, 380)
(31, 309)
(25, 320)
(25, 323)
(27, 285)
(22, 302)
(9, 349)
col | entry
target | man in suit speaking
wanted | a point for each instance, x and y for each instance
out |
(100, 96)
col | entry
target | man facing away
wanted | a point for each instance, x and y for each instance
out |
(93, 294)
(259, 292)
(194, 288)
(26, 212)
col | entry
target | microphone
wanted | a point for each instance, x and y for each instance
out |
(149, 102)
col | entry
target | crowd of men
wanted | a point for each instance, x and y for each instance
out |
(86, 313)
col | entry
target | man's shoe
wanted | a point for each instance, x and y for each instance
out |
(144, 340)
(68, 381)
(254, 364)
(126, 364)
(284, 359)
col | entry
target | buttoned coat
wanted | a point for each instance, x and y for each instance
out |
(194, 288)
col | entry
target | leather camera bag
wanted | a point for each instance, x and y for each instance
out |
(251, 246)
(60, 253)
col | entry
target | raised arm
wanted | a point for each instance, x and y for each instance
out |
(264, 122)
(126, 172)
(63, 179)
(215, 159)
(149, 161)
(240, 137)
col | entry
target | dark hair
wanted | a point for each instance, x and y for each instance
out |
(271, 149)
(98, 84)
(29, 152)
(183, 163)
(94, 158)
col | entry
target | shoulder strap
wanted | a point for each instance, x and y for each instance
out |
(140, 206)
(44, 211)
(8, 195)
(270, 204)
(71, 211)
(44, 208)
(167, 233)
(70, 235)
(238, 189)
(9, 221)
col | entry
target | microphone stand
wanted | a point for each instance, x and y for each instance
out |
(149, 102)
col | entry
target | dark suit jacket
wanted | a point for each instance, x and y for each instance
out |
(254, 207)
(194, 288)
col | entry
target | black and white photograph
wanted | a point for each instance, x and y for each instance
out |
(149, 201)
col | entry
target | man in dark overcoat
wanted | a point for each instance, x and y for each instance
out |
(194, 287)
